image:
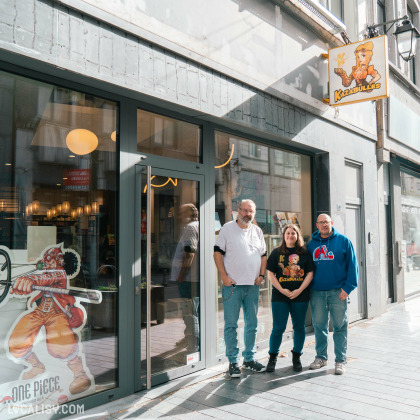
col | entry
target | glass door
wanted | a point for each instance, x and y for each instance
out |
(167, 278)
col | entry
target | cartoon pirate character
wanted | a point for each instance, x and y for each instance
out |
(57, 313)
(293, 269)
(362, 70)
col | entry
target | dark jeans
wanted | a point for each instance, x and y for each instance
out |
(281, 311)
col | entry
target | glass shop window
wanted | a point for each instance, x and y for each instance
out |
(279, 182)
(163, 136)
(410, 246)
(58, 251)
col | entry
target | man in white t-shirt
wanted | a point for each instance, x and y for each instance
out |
(241, 258)
(185, 271)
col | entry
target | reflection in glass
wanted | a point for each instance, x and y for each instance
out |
(175, 280)
(164, 136)
(279, 183)
(410, 208)
(54, 243)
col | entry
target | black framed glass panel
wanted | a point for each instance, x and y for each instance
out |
(164, 136)
(410, 248)
(279, 182)
(58, 268)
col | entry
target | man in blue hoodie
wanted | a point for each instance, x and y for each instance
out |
(335, 277)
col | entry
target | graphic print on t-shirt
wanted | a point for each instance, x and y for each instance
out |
(292, 272)
(290, 269)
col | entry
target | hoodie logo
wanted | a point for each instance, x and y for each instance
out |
(321, 253)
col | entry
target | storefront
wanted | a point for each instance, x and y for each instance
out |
(127, 144)
(96, 205)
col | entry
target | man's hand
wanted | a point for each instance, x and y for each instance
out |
(259, 280)
(22, 286)
(227, 281)
(343, 295)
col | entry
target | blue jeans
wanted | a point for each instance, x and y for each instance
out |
(191, 312)
(233, 299)
(324, 303)
(281, 312)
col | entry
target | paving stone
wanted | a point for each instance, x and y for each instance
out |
(381, 382)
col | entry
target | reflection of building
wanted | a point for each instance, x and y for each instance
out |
(219, 109)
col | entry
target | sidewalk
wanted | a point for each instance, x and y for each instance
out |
(382, 381)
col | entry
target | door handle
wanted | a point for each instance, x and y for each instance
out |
(148, 278)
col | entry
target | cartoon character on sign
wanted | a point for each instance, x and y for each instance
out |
(362, 69)
(52, 305)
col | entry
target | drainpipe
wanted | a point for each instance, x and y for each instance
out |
(382, 152)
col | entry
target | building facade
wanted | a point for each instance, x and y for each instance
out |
(130, 133)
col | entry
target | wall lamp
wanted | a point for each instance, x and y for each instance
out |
(237, 165)
(406, 35)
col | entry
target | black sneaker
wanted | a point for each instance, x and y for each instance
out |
(234, 370)
(254, 366)
(271, 365)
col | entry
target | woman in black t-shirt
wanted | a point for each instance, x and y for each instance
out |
(290, 270)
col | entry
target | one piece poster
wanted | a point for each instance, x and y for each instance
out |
(44, 338)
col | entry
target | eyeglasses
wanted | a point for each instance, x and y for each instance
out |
(246, 211)
(324, 222)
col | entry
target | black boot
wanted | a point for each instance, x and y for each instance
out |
(271, 365)
(297, 366)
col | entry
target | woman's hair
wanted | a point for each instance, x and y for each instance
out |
(300, 244)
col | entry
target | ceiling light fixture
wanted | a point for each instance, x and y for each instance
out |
(81, 141)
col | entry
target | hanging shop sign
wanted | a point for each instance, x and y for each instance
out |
(358, 71)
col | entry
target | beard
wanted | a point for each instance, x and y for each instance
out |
(246, 220)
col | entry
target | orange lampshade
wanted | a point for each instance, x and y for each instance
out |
(87, 209)
(114, 136)
(81, 141)
(35, 206)
(65, 207)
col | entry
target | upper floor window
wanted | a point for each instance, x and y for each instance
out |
(380, 15)
(334, 6)
(348, 13)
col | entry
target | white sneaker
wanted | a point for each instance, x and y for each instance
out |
(318, 363)
(340, 368)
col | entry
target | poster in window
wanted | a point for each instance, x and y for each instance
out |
(293, 218)
(45, 337)
(281, 218)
